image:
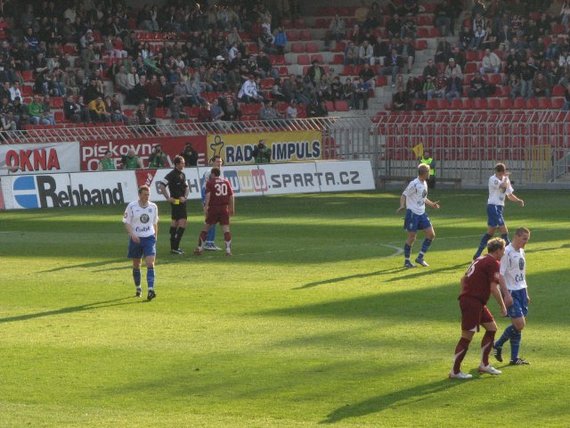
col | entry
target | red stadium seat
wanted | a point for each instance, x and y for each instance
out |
(532, 103)
(303, 59)
(317, 57)
(545, 103)
(494, 103)
(311, 47)
(305, 35)
(297, 47)
(341, 105)
(338, 58)
(519, 103)
(558, 91)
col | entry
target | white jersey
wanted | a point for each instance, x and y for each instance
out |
(513, 268)
(416, 194)
(496, 193)
(141, 219)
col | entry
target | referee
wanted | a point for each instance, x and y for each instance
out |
(175, 189)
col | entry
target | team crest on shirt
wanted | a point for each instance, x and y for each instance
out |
(424, 193)
(145, 218)
(521, 263)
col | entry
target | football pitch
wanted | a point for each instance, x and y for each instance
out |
(312, 322)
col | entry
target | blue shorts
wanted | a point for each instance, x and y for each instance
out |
(146, 247)
(519, 308)
(495, 215)
(415, 222)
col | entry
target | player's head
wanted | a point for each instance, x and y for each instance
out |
(215, 172)
(522, 235)
(423, 170)
(179, 162)
(496, 247)
(217, 162)
(144, 193)
(500, 168)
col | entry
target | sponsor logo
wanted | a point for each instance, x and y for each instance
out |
(312, 179)
(33, 160)
(280, 151)
(42, 192)
(247, 181)
(145, 177)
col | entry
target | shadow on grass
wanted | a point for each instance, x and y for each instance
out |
(348, 278)
(421, 272)
(71, 309)
(382, 402)
(88, 265)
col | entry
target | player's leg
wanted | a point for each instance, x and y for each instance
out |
(492, 224)
(487, 344)
(504, 231)
(470, 315)
(429, 237)
(411, 226)
(227, 239)
(408, 248)
(484, 239)
(180, 229)
(210, 243)
(135, 253)
(518, 325)
(172, 231)
(517, 311)
(202, 238)
(149, 248)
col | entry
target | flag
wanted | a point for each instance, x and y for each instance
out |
(418, 150)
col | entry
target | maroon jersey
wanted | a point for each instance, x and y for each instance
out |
(220, 191)
(481, 274)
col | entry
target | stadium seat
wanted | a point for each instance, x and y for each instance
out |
(27, 90)
(456, 104)
(305, 35)
(317, 57)
(28, 75)
(292, 36)
(421, 44)
(470, 68)
(329, 105)
(303, 59)
(545, 103)
(480, 103)
(519, 103)
(494, 103)
(338, 59)
(311, 47)
(341, 105)
(557, 102)
(56, 102)
(532, 103)
(558, 91)
(297, 47)
(381, 80)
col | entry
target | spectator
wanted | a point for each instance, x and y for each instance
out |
(400, 101)
(408, 53)
(248, 92)
(315, 72)
(337, 31)
(478, 86)
(177, 109)
(362, 90)
(98, 110)
(490, 63)
(205, 113)
(454, 77)
(131, 160)
(217, 111)
(527, 77)
(116, 110)
(35, 112)
(47, 114)
(261, 153)
(365, 53)
(566, 106)
(351, 54)
(394, 26)
(348, 92)
(231, 108)
(465, 38)
(392, 66)
(280, 41)
(430, 70)
(541, 85)
(190, 155)
(442, 51)
(428, 88)
(157, 158)
(292, 112)
(317, 109)
(142, 115)
(268, 111)
(443, 18)
(478, 37)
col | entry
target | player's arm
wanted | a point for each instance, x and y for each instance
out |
(231, 205)
(164, 190)
(514, 198)
(499, 298)
(206, 203)
(133, 237)
(402, 203)
(186, 191)
(504, 291)
(432, 204)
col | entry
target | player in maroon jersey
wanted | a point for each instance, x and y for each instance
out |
(480, 281)
(218, 207)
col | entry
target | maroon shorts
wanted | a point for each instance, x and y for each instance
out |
(473, 313)
(218, 214)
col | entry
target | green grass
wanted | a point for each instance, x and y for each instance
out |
(312, 322)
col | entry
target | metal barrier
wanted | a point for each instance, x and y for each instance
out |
(466, 145)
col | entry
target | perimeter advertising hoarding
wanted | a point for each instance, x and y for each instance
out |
(120, 187)
(291, 146)
(92, 151)
(38, 158)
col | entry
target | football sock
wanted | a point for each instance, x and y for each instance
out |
(150, 278)
(505, 236)
(179, 233)
(137, 277)
(460, 351)
(515, 344)
(425, 247)
(173, 238)
(202, 238)
(486, 346)
(211, 234)
(483, 244)
(407, 251)
(507, 334)
(228, 240)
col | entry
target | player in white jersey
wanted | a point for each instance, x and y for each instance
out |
(141, 222)
(499, 188)
(513, 269)
(414, 200)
